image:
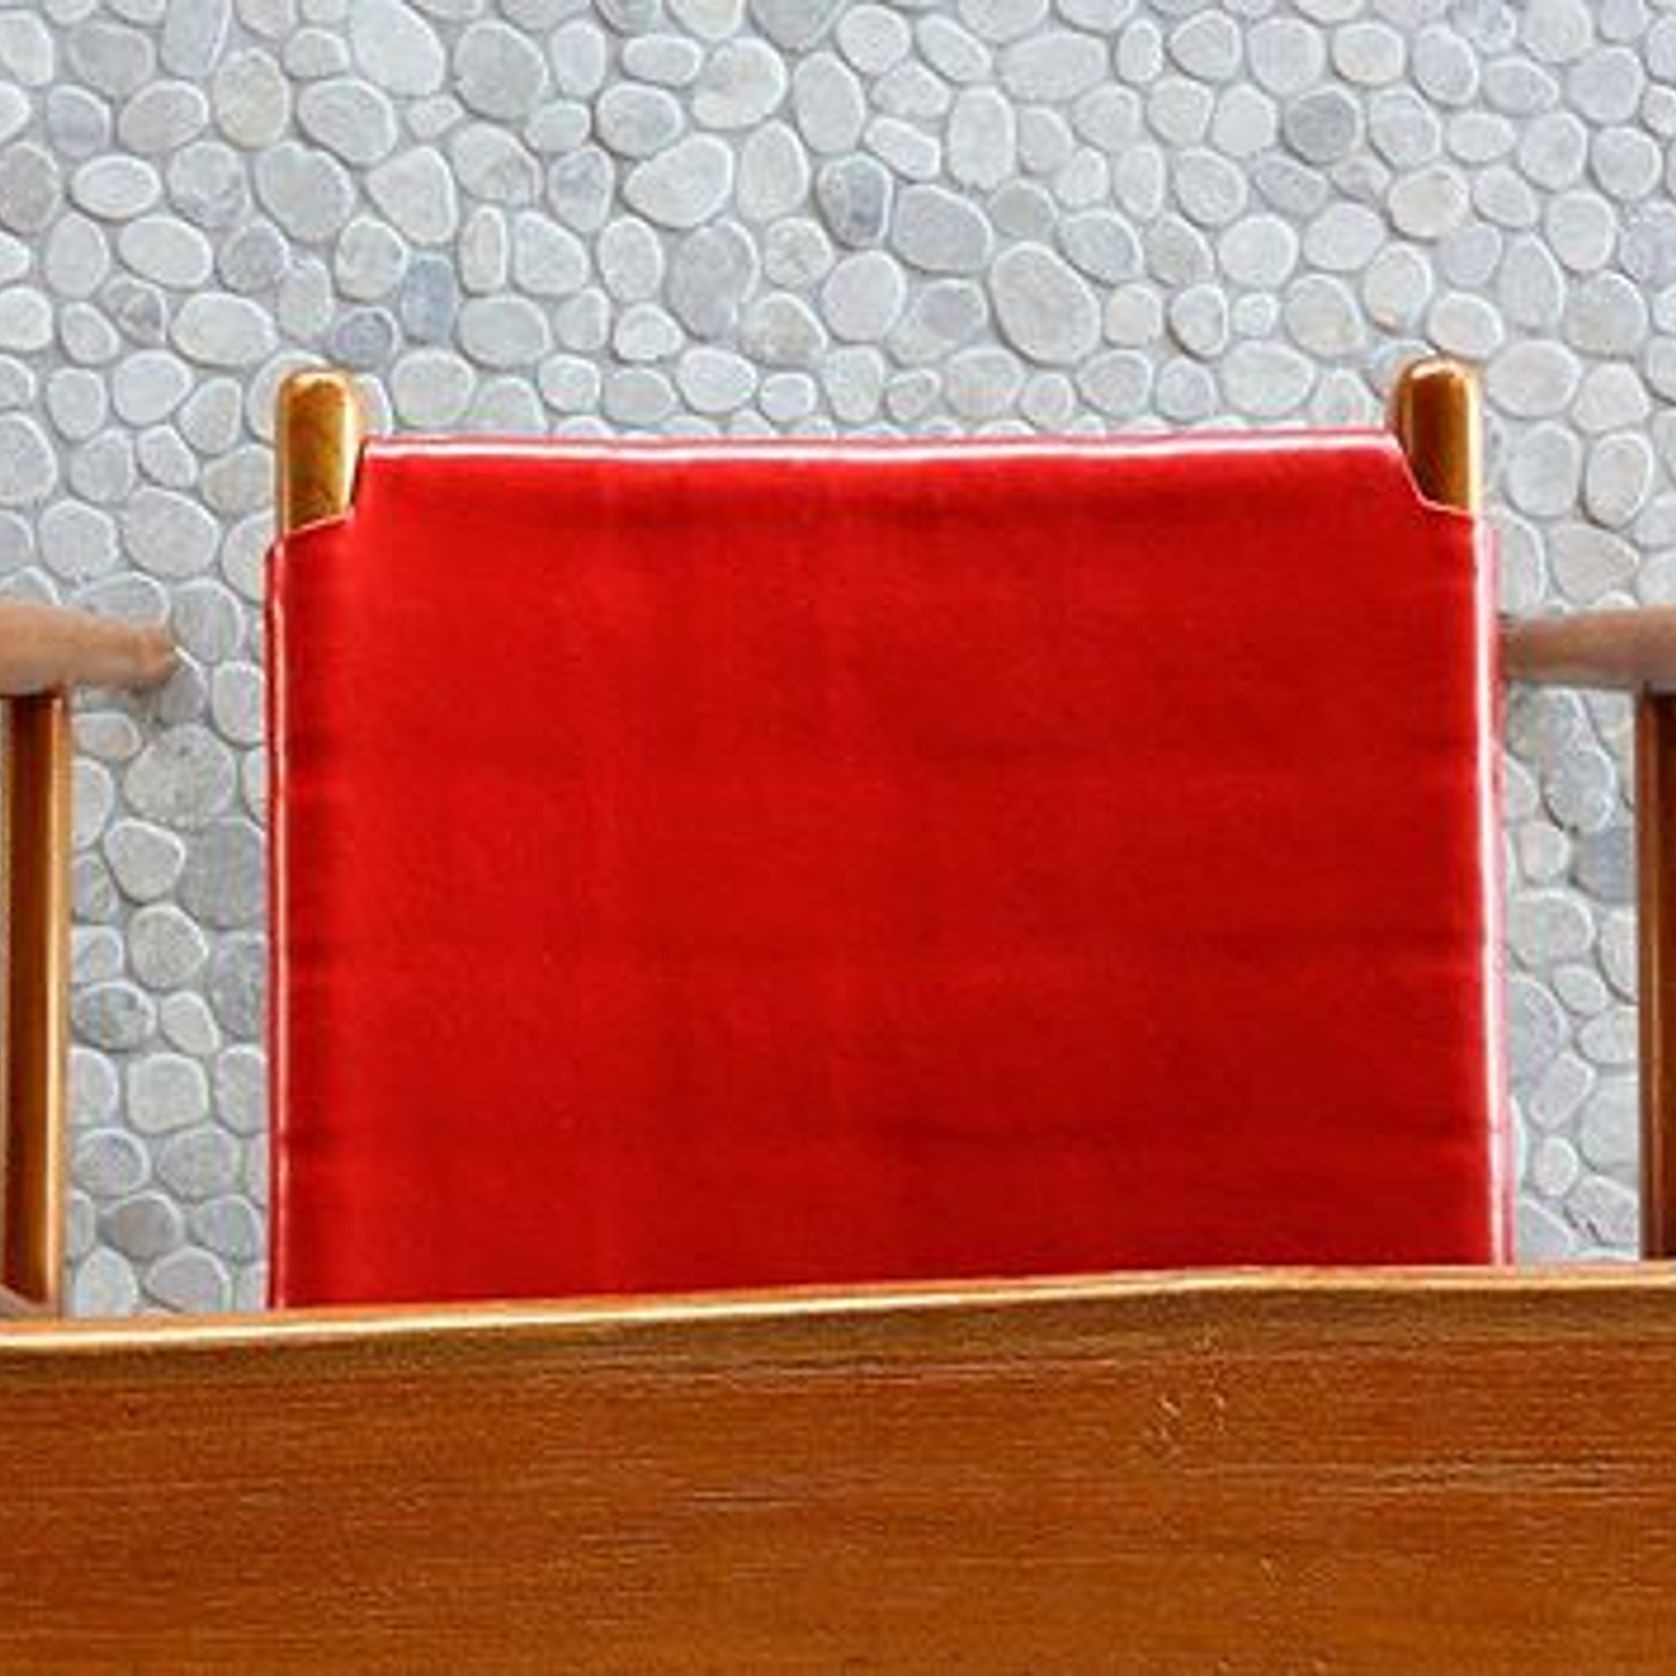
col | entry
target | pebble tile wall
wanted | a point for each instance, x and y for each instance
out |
(790, 215)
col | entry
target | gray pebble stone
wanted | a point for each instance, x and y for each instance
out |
(169, 251)
(828, 104)
(1582, 229)
(306, 192)
(666, 60)
(94, 1091)
(1605, 85)
(794, 24)
(499, 72)
(145, 860)
(1429, 203)
(1053, 64)
(645, 332)
(76, 403)
(78, 123)
(28, 468)
(1323, 319)
(507, 331)
(254, 258)
(636, 121)
(369, 261)
(483, 250)
(1544, 470)
(1553, 150)
(1266, 380)
(1533, 379)
(1587, 563)
(109, 1163)
(583, 322)
(637, 397)
(78, 543)
(710, 275)
(1042, 306)
(1101, 245)
(743, 82)
(228, 1226)
(1619, 478)
(1344, 238)
(982, 138)
(350, 118)
(110, 58)
(1258, 251)
(547, 260)
(492, 165)
(396, 47)
(873, 38)
(936, 231)
(237, 990)
(1286, 55)
(415, 192)
(683, 186)
(114, 1016)
(104, 1285)
(1210, 190)
(1609, 397)
(250, 98)
(1606, 315)
(570, 384)
(165, 1092)
(773, 172)
(167, 534)
(631, 260)
(429, 299)
(713, 380)
(863, 296)
(199, 1163)
(855, 196)
(223, 881)
(908, 151)
(162, 117)
(780, 330)
(30, 188)
(1444, 66)
(143, 1227)
(1322, 126)
(184, 778)
(190, 1281)
(207, 185)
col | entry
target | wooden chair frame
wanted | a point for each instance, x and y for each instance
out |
(1280, 1469)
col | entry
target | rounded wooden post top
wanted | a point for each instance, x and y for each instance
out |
(318, 447)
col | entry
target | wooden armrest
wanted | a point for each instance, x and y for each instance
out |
(1633, 650)
(45, 647)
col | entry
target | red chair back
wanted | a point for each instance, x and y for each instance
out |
(703, 866)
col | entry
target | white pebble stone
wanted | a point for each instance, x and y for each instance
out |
(1619, 478)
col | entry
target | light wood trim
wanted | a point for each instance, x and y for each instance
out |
(1341, 1472)
(1434, 412)
(1630, 650)
(318, 439)
(35, 756)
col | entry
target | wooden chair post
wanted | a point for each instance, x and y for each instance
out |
(34, 1041)
(1655, 828)
(322, 425)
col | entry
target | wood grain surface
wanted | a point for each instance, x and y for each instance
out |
(1286, 1472)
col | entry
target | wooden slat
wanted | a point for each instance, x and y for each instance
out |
(1655, 837)
(1281, 1472)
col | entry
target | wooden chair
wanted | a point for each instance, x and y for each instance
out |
(980, 1445)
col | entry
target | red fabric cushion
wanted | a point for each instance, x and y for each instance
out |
(705, 867)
